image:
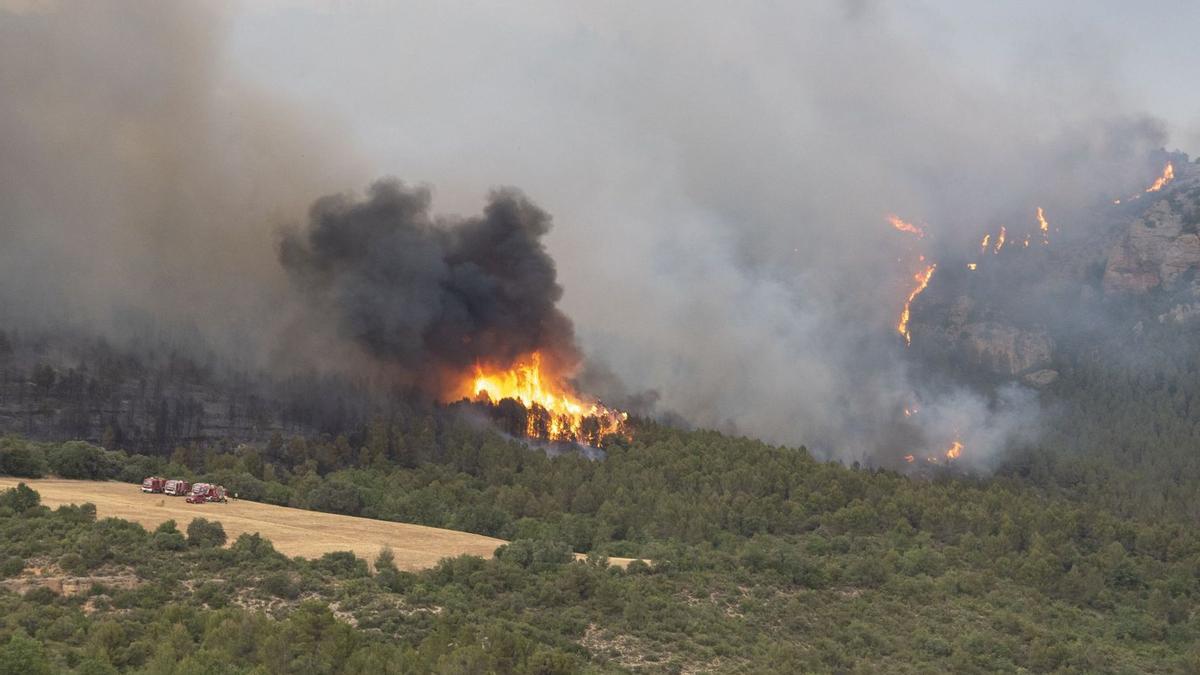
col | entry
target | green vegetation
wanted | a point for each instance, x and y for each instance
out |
(763, 559)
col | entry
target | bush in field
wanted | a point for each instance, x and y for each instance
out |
(342, 564)
(535, 554)
(20, 499)
(206, 533)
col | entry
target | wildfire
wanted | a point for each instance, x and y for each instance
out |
(1000, 239)
(972, 266)
(922, 278)
(1044, 225)
(1167, 176)
(955, 450)
(903, 226)
(909, 458)
(983, 245)
(553, 411)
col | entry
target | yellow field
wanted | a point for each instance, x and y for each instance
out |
(294, 532)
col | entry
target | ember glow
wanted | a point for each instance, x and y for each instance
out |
(554, 412)
(904, 226)
(1167, 176)
(955, 450)
(1000, 239)
(922, 278)
(983, 245)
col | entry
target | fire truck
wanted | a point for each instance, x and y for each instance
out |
(153, 484)
(177, 488)
(206, 492)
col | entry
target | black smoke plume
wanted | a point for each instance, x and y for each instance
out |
(433, 295)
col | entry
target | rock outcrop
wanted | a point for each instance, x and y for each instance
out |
(1005, 349)
(1158, 249)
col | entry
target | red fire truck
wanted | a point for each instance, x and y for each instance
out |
(206, 492)
(177, 488)
(153, 484)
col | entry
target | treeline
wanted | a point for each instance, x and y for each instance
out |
(153, 394)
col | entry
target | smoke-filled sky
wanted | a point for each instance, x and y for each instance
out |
(717, 174)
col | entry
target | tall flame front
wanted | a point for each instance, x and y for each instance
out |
(553, 411)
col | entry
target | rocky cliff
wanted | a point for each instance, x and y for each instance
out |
(1161, 248)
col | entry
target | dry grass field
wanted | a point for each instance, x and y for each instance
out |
(294, 532)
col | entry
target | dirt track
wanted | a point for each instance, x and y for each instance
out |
(294, 532)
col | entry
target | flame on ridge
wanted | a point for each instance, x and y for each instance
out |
(1167, 176)
(1043, 225)
(554, 412)
(922, 278)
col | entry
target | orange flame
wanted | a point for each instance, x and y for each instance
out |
(922, 278)
(1000, 239)
(554, 411)
(1044, 225)
(955, 450)
(983, 245)
(905, 226)
(972, 266)
(1167, 176)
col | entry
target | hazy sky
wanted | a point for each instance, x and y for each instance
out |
(718, 172)
(361, 59)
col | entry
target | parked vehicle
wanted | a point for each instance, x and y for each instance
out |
(177, 488)
(206, 492)
(153, 484)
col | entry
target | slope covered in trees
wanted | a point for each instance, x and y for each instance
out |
(763, 558)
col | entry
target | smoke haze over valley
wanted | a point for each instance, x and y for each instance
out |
(706, 191)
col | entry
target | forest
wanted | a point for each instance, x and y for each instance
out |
(759, 555)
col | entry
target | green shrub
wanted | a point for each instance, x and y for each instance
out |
(214, 594)
(93, 549)
(205, 533)
(280, 585)
(336, 497)
(536, 555)
(20, 499)
(72, 563)
(342, 564)
(77, 459)
(167, 537)
(23, 656)
(19, 458)
(11, 566)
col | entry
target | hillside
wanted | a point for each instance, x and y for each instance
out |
(762, 554)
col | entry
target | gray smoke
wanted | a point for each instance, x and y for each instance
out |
(718, 176)
(142, 181)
